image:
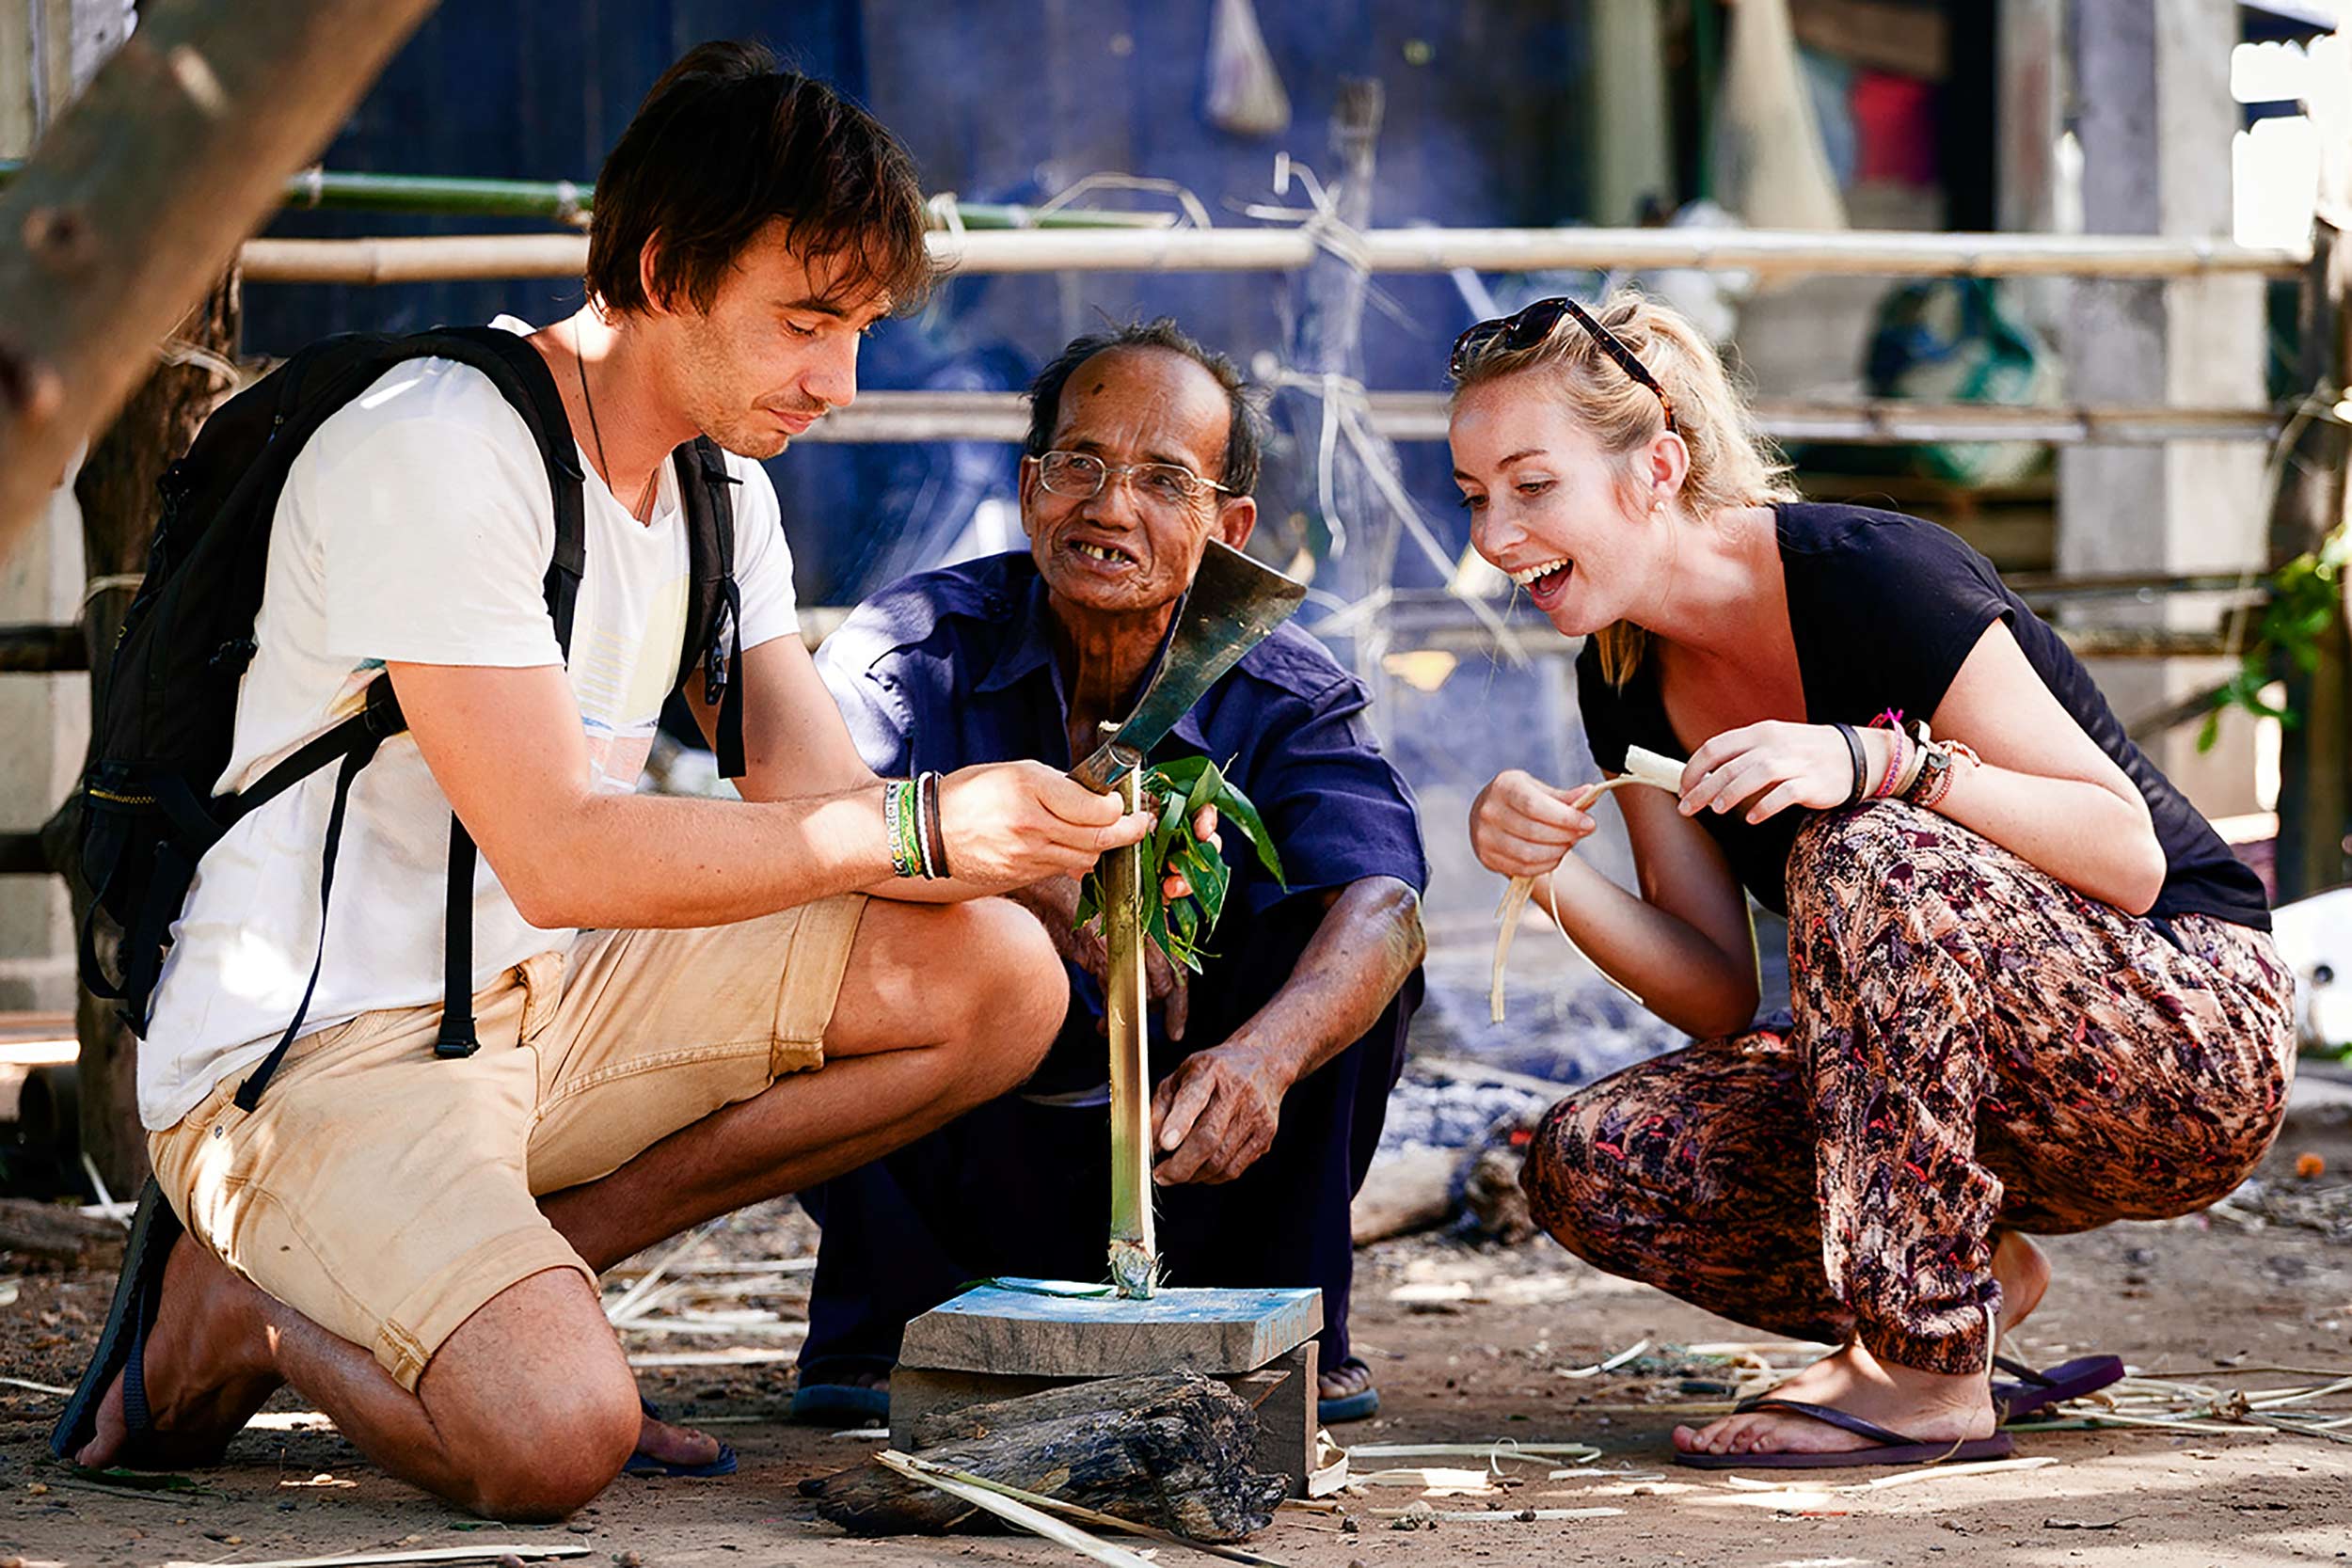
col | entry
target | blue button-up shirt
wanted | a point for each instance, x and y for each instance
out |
(954, 667)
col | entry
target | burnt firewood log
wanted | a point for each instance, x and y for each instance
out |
(1165, 1449)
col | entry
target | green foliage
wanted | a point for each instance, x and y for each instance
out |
(2306, 597)
(1177, 791)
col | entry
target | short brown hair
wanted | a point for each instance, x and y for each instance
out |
(726, 142)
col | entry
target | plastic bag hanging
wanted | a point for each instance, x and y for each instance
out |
(1770, 164)
(1246, 94)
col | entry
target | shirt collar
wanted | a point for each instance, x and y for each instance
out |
(1030, 649)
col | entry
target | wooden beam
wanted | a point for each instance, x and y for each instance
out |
(42, 650)
(21, 855)
(1878, 35)
(139, 194)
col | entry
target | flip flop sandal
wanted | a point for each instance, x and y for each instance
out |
(122, 1343)
(647, 1464)
(1360, 1406)
(2038, 1390)
(840, 1406)
(1888, 1448)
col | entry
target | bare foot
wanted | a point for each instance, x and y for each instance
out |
(2024, 1273)
(1929, 1407)
(672, 1444)
(1346, 1381)
(206, 1366)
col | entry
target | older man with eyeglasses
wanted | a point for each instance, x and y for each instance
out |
(1272, 1069)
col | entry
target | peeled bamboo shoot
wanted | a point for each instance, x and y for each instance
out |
(1133, 1250)
(1641, 766)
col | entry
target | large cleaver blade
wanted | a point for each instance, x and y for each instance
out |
(1233, 603)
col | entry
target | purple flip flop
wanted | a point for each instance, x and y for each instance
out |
(2038, 1390)
(1888, 1448)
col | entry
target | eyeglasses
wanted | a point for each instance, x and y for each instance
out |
(1080, 476)
(1535, 323)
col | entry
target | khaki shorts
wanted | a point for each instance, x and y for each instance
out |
(386, 1195)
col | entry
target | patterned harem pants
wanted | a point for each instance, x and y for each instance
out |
(1977, 1048)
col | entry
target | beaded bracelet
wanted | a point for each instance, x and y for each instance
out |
(901, 821)
(1930, 793)
(1895, 765)
(1935, 776)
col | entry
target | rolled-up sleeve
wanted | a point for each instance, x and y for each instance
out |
(858, 669)
(1336, 809)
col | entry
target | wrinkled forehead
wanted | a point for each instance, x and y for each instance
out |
(1145, 404)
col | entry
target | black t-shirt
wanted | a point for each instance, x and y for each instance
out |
(1886, 609)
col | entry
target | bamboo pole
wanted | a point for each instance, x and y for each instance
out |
(1889, 254)
(1133, 1249)
(138, 196)
(569, 201)
(1422, 417)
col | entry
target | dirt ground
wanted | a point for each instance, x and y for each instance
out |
(1472, 1343)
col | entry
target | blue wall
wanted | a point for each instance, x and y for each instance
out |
(1007, 99)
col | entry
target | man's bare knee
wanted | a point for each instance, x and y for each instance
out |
(1021, 992)
(532, 1401)
(547, 1473)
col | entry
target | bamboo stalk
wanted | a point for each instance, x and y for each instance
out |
(1133, 1249)
(1403, 416)
(569, 201)
(1275, 250)
(1012, 1512)
(1079, 1511)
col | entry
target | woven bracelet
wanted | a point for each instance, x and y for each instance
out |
(899, 821)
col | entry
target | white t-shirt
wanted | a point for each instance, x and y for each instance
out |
(416, 526)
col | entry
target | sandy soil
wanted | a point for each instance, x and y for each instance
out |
(1472, 1344)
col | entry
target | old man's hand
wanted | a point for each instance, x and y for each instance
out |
(1216, 1114)
(1008, 824)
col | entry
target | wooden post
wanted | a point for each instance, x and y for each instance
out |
(2314, 499)
(2154, 115)
(139, 194)
(116, 489)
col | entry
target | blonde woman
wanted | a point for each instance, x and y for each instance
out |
(2033, 991)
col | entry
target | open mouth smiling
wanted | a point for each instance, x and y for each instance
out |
(1107, 555)
(1546, 580)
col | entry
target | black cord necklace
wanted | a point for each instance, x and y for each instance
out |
(645, 497)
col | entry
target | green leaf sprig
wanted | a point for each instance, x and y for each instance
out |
(2306, 597)
(1177, 791)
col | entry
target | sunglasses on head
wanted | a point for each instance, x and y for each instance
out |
(1535, 323)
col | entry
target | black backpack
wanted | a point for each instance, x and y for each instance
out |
(163, 736)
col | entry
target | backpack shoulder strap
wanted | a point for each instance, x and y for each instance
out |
(715, 621)
(521, 374)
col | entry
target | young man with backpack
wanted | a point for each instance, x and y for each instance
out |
(440, 1018)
